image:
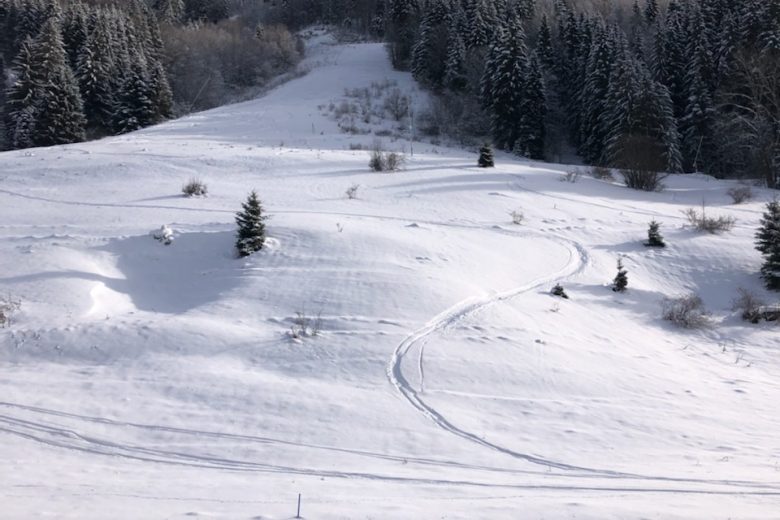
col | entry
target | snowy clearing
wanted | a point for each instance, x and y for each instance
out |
(140, 380)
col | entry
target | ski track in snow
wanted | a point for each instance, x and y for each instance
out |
(578, 261)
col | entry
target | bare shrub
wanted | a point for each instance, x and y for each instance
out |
(601, 173)
(700, 221)
(641, 160)
(394, 161)
(397, 104)
(8, 307)
(748, 304)
(195, 188)
(305, 326)
(740, 194)
(377, 163)
(207, 63)
(517, 217)
(352, 191)
(385, 161)
(686, 311)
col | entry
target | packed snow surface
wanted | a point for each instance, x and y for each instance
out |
(140, 380)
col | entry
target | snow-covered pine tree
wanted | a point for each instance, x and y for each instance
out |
(654, 237)
(60, 111)
(94, 71)
(503, 85)
(593, 100)
(524, 9)
(486, 156)
(161, 94)
(169, 11)
(429, 54)
(251, 226)
(479, 30)
(544, 46)
(651, 11)
(21, 109)
(454, 70)
(74, 31)
(639, 110)
(768, 243)
(620, 283)
(533, 112)
(134, 106)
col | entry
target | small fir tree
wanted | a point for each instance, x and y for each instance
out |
(768, 243)
(621, 279)
(654, 238)
(251, 226)
(486, 156)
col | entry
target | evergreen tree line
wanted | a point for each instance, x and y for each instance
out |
(689, 86)
(77, 69)
(80, 70)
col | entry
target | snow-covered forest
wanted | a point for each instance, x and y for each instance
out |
(686, 86)
(76, 69)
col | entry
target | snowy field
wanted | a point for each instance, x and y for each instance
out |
(144, 381)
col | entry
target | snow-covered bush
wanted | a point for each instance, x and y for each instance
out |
(195, 188)
(571, 176)
(686, 311)
(700, 221)
(517, 217)
(8, 306)
(164, 235)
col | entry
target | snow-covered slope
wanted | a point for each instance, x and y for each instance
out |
(145, 381)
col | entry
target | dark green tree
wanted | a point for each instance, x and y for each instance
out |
(620, 283)
(251, 226)
(654, 238)
(768, 243)
(486, 156)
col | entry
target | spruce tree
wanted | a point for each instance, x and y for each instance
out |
(486, 156)
(454, 70)
(161, 94)
(544, 47)
(94, 71)
(251, 226)
(768, 243)
(651, 11)
(169, 11)
(654, 238)
(621, 279)
(61, 111)
(503, 85)
(21, 107)
(134, 107)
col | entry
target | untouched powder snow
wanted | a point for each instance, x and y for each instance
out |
(140, 380)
